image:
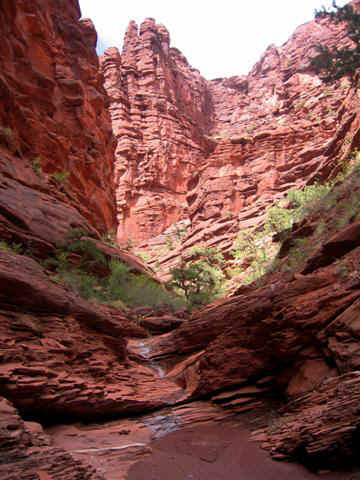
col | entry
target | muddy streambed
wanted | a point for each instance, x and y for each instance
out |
(197, 441)
(194, 441)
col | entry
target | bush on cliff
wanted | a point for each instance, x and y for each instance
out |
(299, 202)
(255, 250)
(136, 290)
(96, 278)
(333, 64)
(250, 251)
(327, 207)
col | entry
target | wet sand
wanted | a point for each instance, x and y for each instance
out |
(218, 452)
(197, 441)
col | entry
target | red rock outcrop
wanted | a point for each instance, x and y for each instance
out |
(216, 152)
(297, 336)
(161, 110)
(323, 421)
(56, 145)
(27, 452)
(60, 354)
(277, 128)
(250, 138)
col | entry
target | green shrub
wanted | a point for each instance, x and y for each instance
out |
(59, 262)
(120, 275)
(11, 247)
(196, 281)
(300, 203)
(246, 244)
(140, 290)
(180, 232)
(76, 233)
(303, 200)
(91, 256)
(120, 287)
(249, 247)
(136, 290)
(169, 244)
(86, 285)
(332, 64)
(210, 255)
(146, 257)
(36, 165)
(280, 219)
(61, 177)
(110, 238)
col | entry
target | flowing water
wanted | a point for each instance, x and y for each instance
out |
(192, 441)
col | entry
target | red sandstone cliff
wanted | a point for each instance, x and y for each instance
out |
(53, 120)
(161, 109)
(275, 129)
(216, 153)
(56, 172)
(228, 148)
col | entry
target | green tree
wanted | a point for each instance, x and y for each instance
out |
(200, 277)
(196, 281)
(333, 64)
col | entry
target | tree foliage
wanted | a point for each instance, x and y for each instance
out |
(333, 64)
(200, 277)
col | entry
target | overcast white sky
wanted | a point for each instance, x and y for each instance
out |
(220, 38)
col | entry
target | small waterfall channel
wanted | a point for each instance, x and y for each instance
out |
(113, 447)
(194, 440)
(142, 349)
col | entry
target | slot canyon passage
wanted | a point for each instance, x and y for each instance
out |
(115, 171)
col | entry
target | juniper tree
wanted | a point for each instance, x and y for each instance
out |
(334, 63)
(200, 277)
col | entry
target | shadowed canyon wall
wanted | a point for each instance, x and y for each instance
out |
(56, 145)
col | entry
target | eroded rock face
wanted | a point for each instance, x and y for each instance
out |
(161, 110)
(56, 147)
(323, 421)
(217, 153)
(64, 356)
(27, 452)
(277, 128)
(297, 335)
(56, 172)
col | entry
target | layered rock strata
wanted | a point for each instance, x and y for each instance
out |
(56, 145)
(27, 452)
(56, 173)
(178, 137)
(250, 138)
(161, 109)
(296, 336)
(61, 355)
(323, 421)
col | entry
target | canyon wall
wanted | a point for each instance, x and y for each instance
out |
(56, 175)
(56, 144)
(215, 154)
(160, 109)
